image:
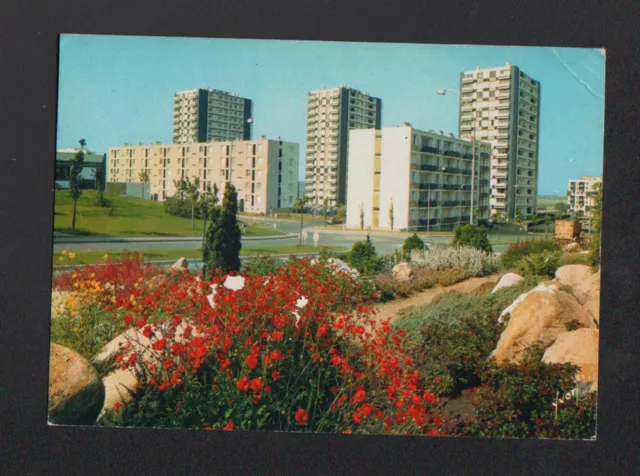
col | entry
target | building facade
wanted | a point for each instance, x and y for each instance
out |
(264, 172)
(92, 174)
(581, 195)
(412, 180)
(502, 106)
(331, 114)
(205, 115)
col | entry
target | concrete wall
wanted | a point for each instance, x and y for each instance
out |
(361, 154)
(395, 176)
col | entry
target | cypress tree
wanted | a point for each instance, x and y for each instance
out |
(222, 246)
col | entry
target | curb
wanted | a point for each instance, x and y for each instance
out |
(74, 240)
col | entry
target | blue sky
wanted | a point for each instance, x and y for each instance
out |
(117, 89)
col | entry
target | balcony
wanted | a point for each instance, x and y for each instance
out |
(449, 203)
(430, 150)
(504, 85)
(504, 75)
(427, 185)
(452, 153)
(427, 203)
(467, 127)
(429, 168)
(502, 135)
(503, 94)
(466, 108)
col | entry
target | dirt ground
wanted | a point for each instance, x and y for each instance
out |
(392, 309)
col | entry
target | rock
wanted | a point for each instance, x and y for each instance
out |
(573, 275)
(538, 317)
(507, 280)
(593, 307)
(573, 248)
(179, 265)
(338, 265)
(157, 281)
(588, 289)
(76, 393)
(579, 347)
(402, 272)
(119, 385)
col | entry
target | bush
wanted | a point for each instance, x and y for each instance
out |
(412, 243)
(363, 257)
(517, 401)
(520, 249)
(573, 258)
(261, 266)
(180, 208)
(100, 201)
(540, 264)
(454, 335)
(287, 353)
(340, 216)
(473, 236)
(473, 261)
(423, 278)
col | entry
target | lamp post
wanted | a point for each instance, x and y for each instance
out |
(442, 92)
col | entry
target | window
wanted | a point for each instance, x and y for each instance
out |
(222, 172)
(259, 160)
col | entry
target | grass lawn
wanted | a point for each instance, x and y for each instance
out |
(94, 257)
(131, 217)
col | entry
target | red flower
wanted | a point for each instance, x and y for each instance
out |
(147, 332)
(252, 361)
(168, 364)
(276, 355)
(302, 417)
(359, 396)
(336, 360)
(256, 384)
(159, 345)
(119, 358)
(267, 389)
(128, 319)
(141, 323)
(275, 375)
(117, 405)
(229, 426)
(243, 384)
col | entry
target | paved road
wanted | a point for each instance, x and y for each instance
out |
(384, 242)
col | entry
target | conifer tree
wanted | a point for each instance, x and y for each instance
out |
(221, 250)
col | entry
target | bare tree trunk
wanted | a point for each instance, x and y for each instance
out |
(73, 220)
(300, 237)
(193, 225)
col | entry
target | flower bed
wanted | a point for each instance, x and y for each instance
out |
(288, 352)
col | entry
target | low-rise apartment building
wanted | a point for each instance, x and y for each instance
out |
(420, 181)
(581, 195)
(264, 172)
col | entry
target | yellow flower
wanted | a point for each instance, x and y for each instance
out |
(106, 257)
(60, 258)
(72, 255)
(93, 275)
(64, 252)
(75, 329)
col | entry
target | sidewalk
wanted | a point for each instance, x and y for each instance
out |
(153, 239)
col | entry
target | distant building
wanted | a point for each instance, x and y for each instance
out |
(301, 189)
(92, 163)
(205, 115)
(264, 171)
(581, 195)
(331, 114)
(421, 178)
(502, 106)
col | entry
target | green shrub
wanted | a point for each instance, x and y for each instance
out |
(363, 257)
(180, 208)
(517, 401)
(454, 335)
(473, 236)
(262, 266)
(520, 249)
(423, 278)
(412, 243)
(573, 258)
(473, 261)
(540, 264)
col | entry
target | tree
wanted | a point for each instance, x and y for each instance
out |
(221, 250)
(561, 207)
(596, 217)
(547, 221)
(299, 208)
(207, 202)
(471, 235)
(361, 217)
(412, 243)
(74, 179)
(391, 215)
(363, 256)
(144, 179)
(98, 174)
(498, 219)
(192, 191)
(326, 205)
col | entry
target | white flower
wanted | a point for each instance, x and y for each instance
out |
(211, 296)
(302, 302)
(266, 281)
(234, 283)
(297, 318)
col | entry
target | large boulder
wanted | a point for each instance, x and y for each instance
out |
(538, 317)
(76, 393)
(119, 387)
(507, 280)
(402, 272)
(588, 289)
(179, 265)
(573, 247)
(579, 347)
(573, 275)
(593, 307)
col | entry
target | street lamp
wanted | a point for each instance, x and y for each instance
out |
(442, 92)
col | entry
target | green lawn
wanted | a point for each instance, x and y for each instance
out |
(93, 257)
(131, 217)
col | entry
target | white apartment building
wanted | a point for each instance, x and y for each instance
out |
(331, 114)
(205, 115)
(264, 172)
(581, 195)
(502, 106)
(421, 178)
